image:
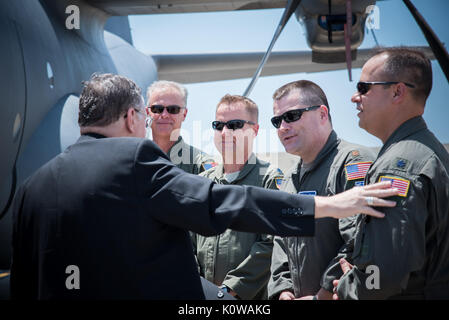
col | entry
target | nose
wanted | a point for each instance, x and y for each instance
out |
(356, 97)
(165, 113)
(226, 132)
(284, 126)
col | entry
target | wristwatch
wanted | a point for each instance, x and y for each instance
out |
(225, 288)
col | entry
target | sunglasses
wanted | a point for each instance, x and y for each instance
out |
(231, 124)
(173, 109)
(364, 87)
(290, 116)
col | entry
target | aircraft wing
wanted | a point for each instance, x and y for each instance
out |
(194, 68)
(127, 7)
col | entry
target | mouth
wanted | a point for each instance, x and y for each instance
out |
(288, 138)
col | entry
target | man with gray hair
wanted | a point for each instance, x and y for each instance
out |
(108, 217)
(167, 106)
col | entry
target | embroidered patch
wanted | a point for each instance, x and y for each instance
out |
(278, 181)
(355, 153)
(307, 193)
(210, 164)
(401, 184)
(401, 163)
(359, 183)
(357, 170)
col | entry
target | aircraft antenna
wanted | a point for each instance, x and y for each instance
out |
(289, 9)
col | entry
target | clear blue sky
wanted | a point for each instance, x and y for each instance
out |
(240, 31)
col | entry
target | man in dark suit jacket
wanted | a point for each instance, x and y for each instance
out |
(108, 217)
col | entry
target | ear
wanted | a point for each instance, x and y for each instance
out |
(324, 113)
(256, 129)
(130, 123)
(185, 114)
(399, 93)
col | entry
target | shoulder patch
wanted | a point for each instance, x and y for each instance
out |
(279, 178)
(209, 164)
(278, 181)
(401, 184)
(357, 170)
(355, 153)
(401, 163)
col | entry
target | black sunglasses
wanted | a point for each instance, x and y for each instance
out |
(290, 116)
(231, 124)
(363, 87)
(158, 108)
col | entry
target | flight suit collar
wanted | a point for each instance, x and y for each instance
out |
(247, 168)
(331, 143)
(403, 131)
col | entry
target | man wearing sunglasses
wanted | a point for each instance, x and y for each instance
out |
(113, 212)
(410, 248)
(300, 265)
(238, 261)
(167, 102)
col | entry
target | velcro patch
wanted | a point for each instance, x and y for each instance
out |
(278, 181)
(360, 183)
(210, 164)
(357, 170)
(401, 184)
(307, 193)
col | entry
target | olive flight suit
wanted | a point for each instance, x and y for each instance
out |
(299, 264)
(239, 260)
(189, 158)
(406, 254)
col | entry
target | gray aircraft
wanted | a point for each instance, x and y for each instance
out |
(50, 46)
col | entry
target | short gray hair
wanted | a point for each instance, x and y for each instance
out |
(163, 85)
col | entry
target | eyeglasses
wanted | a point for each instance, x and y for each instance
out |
(364, 87)
(231, 124)
(290, 116)
(137, 111)
(158, 108)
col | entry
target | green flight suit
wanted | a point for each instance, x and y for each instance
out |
(299, 264)
(189, 158)
(239, 260)
(410, 246)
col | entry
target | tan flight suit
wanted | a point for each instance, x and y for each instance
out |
(410, 246)
(239, 260)
(300, 263)
(189, 158)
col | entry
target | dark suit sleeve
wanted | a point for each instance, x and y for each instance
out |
(23, 287)
(190, 202)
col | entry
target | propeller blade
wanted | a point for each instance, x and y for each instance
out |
(434, 43)
(289, 9)
(348, 34)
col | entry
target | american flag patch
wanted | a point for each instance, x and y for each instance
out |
(357, 170)
(401, 184)
(209, 165)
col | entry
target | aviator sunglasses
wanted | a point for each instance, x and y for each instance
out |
(363, 87)
(290, 116)
(158, 108)
(231, 124)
